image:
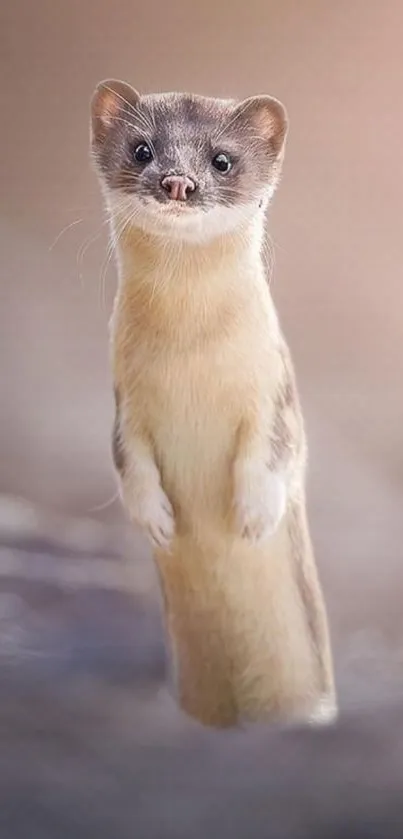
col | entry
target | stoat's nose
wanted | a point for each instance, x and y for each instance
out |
(178, 187)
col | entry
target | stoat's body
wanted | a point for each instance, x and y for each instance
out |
(208, 439)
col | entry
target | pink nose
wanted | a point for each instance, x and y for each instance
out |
(178, 187)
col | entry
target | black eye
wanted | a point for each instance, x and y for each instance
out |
(143, 153)
(222, 162)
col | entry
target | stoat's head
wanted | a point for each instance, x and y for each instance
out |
(182, 166)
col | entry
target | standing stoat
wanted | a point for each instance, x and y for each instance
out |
(208, 438)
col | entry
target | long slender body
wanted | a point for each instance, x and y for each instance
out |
(210, 449)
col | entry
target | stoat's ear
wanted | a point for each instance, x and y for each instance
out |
(268, 117)
(111, 100)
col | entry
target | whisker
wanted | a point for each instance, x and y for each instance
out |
(145, 129)
(62, 232)
(234, 117)
(105, 504)
(122, 98)
(118, 232)
(83, 250)
(88, 241)
(108, 258)
(135, 110)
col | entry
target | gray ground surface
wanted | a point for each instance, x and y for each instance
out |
(92, 744)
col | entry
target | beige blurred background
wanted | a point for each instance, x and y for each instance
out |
(336, 226)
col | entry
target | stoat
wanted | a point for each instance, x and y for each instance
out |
(208, 438)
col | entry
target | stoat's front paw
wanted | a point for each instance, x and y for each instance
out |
(260, 498)
(151, 510)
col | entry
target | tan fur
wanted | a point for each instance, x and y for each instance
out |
(208, 438)
(205, 382)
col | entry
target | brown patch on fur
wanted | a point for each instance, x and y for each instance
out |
(281, 440)
(308, 587)
(118, 452)
(287, 392)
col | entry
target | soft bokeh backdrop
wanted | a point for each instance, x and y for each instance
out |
(336, 226)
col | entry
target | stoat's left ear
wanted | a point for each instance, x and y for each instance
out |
(268, 117)
(111, 100)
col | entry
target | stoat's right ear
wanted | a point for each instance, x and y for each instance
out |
(111, 101)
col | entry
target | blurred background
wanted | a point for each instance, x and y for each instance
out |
(76, 586)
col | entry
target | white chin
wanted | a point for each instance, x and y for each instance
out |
(189, 224)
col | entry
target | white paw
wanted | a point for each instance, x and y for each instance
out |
(152, 511)
(260, 500)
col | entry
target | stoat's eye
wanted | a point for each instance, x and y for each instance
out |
(222, 162)
(142, 153)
